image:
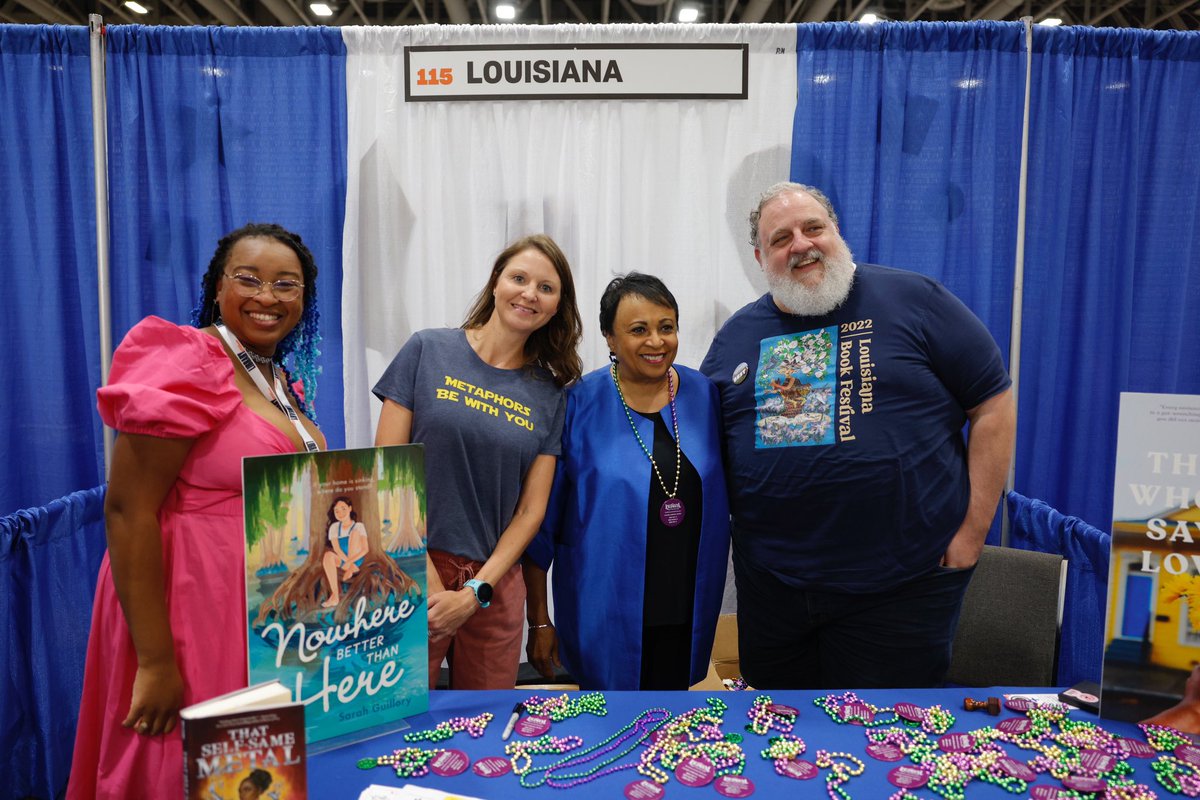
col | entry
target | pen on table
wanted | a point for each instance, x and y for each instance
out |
(512, 721)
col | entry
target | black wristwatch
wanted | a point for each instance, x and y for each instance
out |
(482, 590)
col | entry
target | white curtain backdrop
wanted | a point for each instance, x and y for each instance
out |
(436, 189)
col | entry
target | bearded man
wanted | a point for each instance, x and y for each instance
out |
(859, 516)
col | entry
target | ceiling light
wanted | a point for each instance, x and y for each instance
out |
(688, 14)
(321, 9)
(506, 11)
(1051, 22)
(136, 8)
(869, 18)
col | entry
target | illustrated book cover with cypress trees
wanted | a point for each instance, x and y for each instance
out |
(335, 586)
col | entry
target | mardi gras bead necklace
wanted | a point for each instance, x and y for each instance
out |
(992, 768)
(520, 753)
(842, 771)
(849, 708)
(784, 748)
(1129, 791)
(409, 762)
(601, 757)
(694, 733)
(765, 715)
(1176, 775)
(566, 707)
(672, 511)
(1161, 737)
(444, 730)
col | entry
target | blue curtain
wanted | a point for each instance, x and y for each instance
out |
(913, 130)
(1037, 526)
(49, 431)
(1112, 264)
(210, 128)
(48, 562)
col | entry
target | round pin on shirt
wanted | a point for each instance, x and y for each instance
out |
(740, 372)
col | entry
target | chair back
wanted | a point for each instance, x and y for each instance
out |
(1011, 616)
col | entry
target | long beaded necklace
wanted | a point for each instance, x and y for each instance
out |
(1161, 737)
(566, 707)
(444, 730)
(849, 708)
(409, 762)
(602, 757)
(840, 771)
(672, 511)
(782, 750)
(765, 715)
(521, 752)
(695, 734)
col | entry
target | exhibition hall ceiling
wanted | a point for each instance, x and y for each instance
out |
(1160, 14)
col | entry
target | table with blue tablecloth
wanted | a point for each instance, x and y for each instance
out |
(335, 774)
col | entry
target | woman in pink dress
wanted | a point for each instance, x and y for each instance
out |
(169, 620)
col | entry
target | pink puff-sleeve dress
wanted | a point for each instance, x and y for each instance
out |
(173, 382)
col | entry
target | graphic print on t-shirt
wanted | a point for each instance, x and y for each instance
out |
(793, 389)
(485, 401)
(810, 385)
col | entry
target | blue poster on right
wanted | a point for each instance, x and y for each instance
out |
(1152, 634)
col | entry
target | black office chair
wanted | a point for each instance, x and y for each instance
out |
(1011, 617)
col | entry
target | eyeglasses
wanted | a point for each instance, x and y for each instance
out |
(284, 291)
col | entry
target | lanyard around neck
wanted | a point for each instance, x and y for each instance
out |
(276, 395)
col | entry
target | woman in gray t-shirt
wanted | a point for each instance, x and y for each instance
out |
(486, 401)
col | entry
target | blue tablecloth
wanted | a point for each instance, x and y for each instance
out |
(335, 775)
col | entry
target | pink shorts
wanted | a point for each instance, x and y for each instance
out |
(485, 652)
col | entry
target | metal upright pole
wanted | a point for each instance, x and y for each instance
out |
(1014, 346)
(100, 160)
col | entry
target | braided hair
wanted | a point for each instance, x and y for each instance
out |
(302, 342)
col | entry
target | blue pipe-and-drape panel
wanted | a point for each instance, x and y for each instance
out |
(1112, 260)
(49, 432)
(914, 132)
(1037, 526)
(211, 128)
(49, 558)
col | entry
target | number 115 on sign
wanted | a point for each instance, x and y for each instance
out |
(435, 77)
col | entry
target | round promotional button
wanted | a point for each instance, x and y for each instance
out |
(1189, 753)
(644, 790)
(449, 762)
(857, 713)
(1097, 761)
(907, 777)
(1015, 769)
(1047, 793)
(884, 751)
(1021, 705)
(957, 742)
(782, 710)
(695, 771)
(910, 712)
(1014, 725)
(734, 786)
(1134, 748)
(1084, 783)
(532, 726)
(492, 767)
(799, 769)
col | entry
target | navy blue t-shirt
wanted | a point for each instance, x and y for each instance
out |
(846, 464)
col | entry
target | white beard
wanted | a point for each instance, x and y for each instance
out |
(793, 296)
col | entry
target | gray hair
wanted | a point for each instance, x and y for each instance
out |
(783, 187)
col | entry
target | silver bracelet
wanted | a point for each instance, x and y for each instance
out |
(543, 625)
